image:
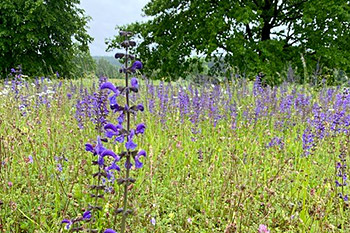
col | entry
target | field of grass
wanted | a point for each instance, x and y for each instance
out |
(224, 158)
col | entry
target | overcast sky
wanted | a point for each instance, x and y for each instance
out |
(106, 15)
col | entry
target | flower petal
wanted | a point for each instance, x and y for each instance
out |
(137, 65)
(110, 86)
(109, 231)
(89, 147)
(138, 164)
(87, 215)
(140, 128)
(114, 166)
(141, 153)
(109, 153)
(111, 127)
(130, 145)
(134, 82)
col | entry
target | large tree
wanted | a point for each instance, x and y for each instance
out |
(41, 35)
(254, 35)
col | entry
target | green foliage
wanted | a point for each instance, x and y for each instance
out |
(41, 35)
(105, 68)
(253, 35)
(83, 64)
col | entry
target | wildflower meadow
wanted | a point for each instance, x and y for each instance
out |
(151, 156)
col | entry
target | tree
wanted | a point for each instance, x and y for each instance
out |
(253, 35)
(105, 68)
(41, 35)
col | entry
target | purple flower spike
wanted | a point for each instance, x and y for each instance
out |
(110, 86)
(140, 128)
(109, 231)
(87, 215)
(137, 65)
(134, 82)
(68, 222)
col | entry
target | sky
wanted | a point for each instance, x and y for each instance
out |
(106, 15)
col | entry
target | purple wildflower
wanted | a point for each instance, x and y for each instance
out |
(87, 215)
(137, 65)
(30, 159)
(140, 128)
(68, 222)
(263, 229)
(130, 145)
(140, 107)
(134, 83)
(153, 221)
(138, 164)
(109, 231)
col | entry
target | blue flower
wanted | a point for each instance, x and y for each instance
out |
(112, 130)
(140, 107)
(113, 166)
(134, 82)
(109, 231)
(68, 222)
(140, 128)
(98, 149)
(110, 86)
(138, 164)
(130, 145)
(137, 65)
(87, 215)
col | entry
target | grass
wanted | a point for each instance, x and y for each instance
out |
(219, 180)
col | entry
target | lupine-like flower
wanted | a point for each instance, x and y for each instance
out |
(118, 131)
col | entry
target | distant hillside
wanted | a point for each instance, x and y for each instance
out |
(110, 59)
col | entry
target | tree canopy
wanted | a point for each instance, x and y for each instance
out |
(253, 35)
(41, 35)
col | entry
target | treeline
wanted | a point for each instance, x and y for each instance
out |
(89, 66)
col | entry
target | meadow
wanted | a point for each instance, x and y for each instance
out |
(220, 158)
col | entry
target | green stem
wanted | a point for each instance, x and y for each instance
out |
(126, 184)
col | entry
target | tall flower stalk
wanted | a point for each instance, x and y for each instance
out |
(122, 134)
